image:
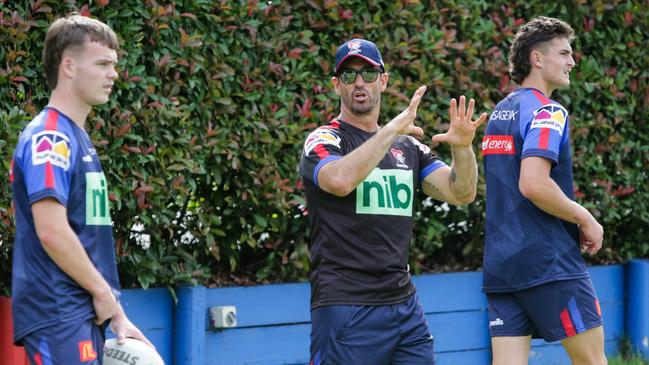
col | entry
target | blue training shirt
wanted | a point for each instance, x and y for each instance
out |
(524, 246)
(55, 159)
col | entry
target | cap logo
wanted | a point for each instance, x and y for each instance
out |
(354, 47)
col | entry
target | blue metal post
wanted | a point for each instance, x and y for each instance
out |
(191, 322)
(637, 316)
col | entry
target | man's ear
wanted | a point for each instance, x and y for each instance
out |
(384, 81)
(68, 66)
(336, 84)
(536, 58)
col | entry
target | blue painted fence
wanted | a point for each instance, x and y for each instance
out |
(274, 323)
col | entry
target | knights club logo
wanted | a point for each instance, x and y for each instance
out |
(399, 156)
(354, 45)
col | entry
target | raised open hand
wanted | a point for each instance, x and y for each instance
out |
(462, 129)
(404, 122)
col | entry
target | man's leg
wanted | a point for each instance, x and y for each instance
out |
(416, 342)
(510, 328)
(510, 350)
(586, 348)
(353, 335)
(72, 343)
(568, 311)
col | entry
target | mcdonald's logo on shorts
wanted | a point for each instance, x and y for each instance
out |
(87, 351)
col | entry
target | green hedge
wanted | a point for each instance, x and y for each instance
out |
(202, 136)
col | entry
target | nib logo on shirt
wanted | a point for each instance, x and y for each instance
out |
(97, 209)
(388, 192)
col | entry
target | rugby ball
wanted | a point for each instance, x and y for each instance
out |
(132, 352)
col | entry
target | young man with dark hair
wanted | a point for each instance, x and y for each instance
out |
(64, 279)
(534, 275)
(360, 181)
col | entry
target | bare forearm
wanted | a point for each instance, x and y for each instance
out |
(64, 248)
(464, 174)
(547, 196)
(341, 177)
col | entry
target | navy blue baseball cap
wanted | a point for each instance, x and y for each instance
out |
(359, 48)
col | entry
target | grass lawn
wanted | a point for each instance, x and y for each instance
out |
(628, 361)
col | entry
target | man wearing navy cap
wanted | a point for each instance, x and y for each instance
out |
(360, 181)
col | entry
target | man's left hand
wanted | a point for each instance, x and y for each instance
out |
(462, 129)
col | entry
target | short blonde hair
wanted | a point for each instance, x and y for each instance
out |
(70, 32)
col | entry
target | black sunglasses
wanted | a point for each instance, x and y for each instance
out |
(348, 76)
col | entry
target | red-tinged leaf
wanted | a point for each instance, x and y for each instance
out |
(252, 6)
(320, 24)
(133, 149)
(155, 104)
(631, 44)
(504, 82)
(346, 14)
(330, 4)
(460, 46)
(295, 53)
(623, 191)
(628, 17)
(84, 11)
(601, 148)
(276, 68)
(135, 78)
(102, 3)
(18, 79)
(188, 15)
(268, 10)
(578, 193)
(178, 181)
(149, 150)
(164, 60)
(589, 24)
(112, 197)
(305, 109)
(141, 201)
(42, 9)
(144, 188)
(123, 129)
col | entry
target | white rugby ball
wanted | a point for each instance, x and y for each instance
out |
(132, 352)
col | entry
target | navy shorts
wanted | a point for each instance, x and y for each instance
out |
(371, 335)
(551, 311)
(71, 343)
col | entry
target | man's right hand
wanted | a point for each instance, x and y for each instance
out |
(404, 122)
(591, 236)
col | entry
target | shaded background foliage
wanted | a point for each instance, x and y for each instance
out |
(202, 136)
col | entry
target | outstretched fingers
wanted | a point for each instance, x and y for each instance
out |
(416, 99)
(452, 110)
(479, 121)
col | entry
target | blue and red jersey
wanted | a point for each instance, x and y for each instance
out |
(55, 159)
(525, 246)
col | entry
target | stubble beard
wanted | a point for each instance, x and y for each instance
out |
(361, 108)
